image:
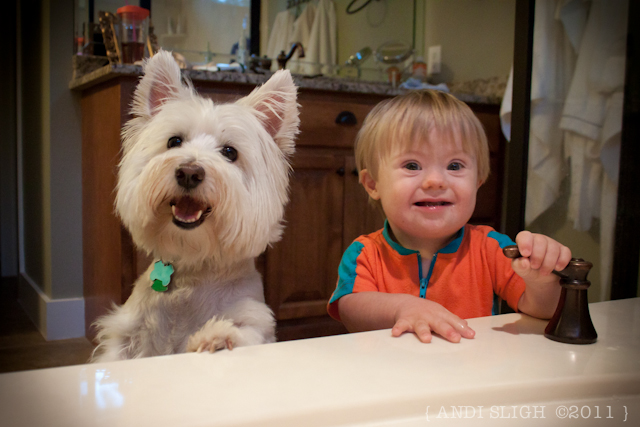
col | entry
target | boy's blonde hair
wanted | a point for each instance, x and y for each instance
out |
(406, 120)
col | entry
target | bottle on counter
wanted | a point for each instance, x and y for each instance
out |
(243, 51)
(394, 74)
(419, 69)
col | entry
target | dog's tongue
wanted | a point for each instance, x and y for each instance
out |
(187, 209)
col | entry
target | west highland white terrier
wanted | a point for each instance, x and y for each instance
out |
(202, 188)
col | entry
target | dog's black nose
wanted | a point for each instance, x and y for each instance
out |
(189, 176)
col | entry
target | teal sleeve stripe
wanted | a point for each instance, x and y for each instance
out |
(502, 239)
(347, 271)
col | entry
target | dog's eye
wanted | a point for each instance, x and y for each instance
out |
(174, 141)
(230, 153)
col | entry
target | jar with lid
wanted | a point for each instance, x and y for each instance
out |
(134, 28)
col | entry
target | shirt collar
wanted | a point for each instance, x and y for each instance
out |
(451, 247)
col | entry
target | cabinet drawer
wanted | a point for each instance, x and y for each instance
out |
(318, 127)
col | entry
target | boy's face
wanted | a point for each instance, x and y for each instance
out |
(428, 192)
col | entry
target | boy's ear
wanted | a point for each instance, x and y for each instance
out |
(369, 184)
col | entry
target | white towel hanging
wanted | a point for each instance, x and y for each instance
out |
(301, 33)
(280, 36)
(322, 47)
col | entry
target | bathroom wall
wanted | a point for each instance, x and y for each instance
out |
(50, 171)
(476, 37)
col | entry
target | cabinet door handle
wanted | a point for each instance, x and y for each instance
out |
(346, 118)
(340, 171)
(354, 172)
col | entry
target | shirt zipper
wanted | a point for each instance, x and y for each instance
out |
(424, 282)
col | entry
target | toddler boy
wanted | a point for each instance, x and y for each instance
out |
(422, 157)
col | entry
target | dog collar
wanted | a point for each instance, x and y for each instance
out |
(161, 276)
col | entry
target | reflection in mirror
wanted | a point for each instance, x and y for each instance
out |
(474, 38)
(201, 31)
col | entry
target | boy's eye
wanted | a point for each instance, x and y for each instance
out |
(174, 141)
(455, 166)
(412, 166)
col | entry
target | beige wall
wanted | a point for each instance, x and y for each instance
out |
(34, 180)
(476, 37)
(50, 148)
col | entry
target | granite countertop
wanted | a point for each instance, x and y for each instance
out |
(481, 91)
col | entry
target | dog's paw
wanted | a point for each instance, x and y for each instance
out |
(216, 334)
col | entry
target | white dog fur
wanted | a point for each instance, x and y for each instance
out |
(215, 298)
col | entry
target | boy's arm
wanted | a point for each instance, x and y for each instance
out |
(540, 255)
(365, 311)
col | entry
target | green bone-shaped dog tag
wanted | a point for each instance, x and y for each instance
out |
(158, 287)
(161, 276)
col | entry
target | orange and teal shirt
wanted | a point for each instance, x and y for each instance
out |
(464, 276)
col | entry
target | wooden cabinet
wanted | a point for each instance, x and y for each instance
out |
(489, 200)
(327, 211)
(109, 260)
(328, 208)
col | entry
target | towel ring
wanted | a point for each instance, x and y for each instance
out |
(351, 12)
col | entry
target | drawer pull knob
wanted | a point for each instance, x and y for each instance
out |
(340, 171)
(354, 172)
(346, 118)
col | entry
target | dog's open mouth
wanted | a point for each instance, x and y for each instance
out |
(188, 212)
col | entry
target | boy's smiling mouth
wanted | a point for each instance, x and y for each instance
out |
(430, 204)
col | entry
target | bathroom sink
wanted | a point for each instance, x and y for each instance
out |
(509, 374)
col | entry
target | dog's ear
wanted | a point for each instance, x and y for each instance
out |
(161, 82)
(275, 105)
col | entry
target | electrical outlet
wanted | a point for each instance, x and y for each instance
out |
(435, 60)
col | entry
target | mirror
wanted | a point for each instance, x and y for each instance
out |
(476, 37)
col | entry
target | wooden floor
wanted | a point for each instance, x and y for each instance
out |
(22, 347)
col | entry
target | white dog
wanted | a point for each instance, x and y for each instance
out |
(201, 187)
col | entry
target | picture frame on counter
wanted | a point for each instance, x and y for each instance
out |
(108, 24)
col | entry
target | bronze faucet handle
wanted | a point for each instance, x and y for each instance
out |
(577, 269)
(571, 322)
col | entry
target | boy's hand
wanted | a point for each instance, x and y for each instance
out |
(424, 317)
(540, 255)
